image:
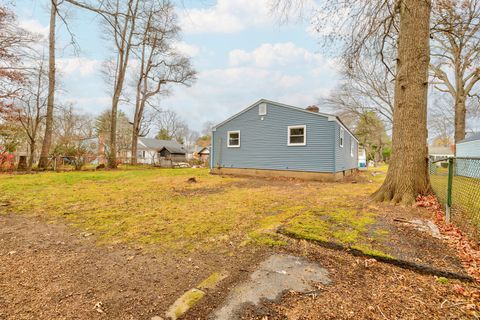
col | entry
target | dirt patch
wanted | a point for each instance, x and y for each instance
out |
(406, 242)
(365, 289)
(52, 271)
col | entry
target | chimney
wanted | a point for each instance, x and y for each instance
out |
(313, 108)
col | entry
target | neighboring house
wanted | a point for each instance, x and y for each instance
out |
(468, 148)
(204, 154)
(275, 139)
(437, 152)
(151, 151)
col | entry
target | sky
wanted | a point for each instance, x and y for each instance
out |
(241, 51)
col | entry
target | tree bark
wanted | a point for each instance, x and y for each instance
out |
(47, 139)
(32, 155)
(407, 174)
(460, 117)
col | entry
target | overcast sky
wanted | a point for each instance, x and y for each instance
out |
(241, 52)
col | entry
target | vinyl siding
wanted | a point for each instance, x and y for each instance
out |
(469, 149)
(468, 168)
(343, 157)
(264, 143)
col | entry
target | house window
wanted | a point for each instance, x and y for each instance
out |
(342, 136)
(352, 148)
(297, 135)
(233, 139)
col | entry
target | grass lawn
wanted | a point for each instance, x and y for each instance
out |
(159, 209)
(465, 196)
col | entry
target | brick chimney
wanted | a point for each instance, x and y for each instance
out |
(313, 108)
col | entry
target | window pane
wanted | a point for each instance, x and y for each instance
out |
(296, 132)
(234, 142)
(297, 139)
(234, 135)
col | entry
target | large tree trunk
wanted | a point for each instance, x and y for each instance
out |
(460, 115)
(407, 174)
(47, 139)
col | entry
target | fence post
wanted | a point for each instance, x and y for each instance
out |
(449, 190)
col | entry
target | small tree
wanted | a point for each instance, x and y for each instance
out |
(370, 131)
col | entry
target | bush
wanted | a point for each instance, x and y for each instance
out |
(7, 160)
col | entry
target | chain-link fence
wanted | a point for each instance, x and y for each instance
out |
(456, 182)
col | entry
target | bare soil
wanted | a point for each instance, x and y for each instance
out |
(365, 289)
(52, 271)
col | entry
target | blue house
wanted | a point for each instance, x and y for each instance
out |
(468, 148)
(274, 139)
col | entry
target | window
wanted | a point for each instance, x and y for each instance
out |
(262, 109)
(233, 139)
(342, 136)
(352, 148)
(297, 135)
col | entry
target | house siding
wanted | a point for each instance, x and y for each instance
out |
(264, 145)
(469, 149)
(343, 157)
(468, 168)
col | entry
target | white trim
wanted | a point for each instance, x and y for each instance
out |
(304, 127)
(228, 139)
(341, 138)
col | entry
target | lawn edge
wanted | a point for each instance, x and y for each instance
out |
(404, 264)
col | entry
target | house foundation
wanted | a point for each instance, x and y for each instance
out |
(303, 175)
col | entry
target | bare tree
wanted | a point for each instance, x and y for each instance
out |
(47, 139)
(456, 54)
(170, 126)
(31, 107)
(122, 25)
(365, 87)
(14, 47)
(159, 63)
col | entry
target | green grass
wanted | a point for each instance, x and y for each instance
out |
(159, 210)
(465, 194)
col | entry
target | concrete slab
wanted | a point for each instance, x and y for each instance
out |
(277, 274)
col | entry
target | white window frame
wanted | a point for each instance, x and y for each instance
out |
(304, 143)
(228, 139)
(352, 148)
(342, 137)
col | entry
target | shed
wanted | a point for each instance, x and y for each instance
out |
(468, 148)
(204, 153)
(149, 150)
(173, 153)
(274, 139)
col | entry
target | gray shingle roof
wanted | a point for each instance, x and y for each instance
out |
(171, 145)
(471, 137)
